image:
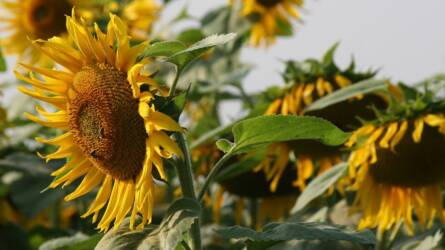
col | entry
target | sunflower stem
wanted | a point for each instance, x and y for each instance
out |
(185, 176)
(212, 174)
(172, 90)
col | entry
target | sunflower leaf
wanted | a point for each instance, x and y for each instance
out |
(275, 233)
(166, 48)
(75, 242)
(255, 132)
(363, 87)
(178, 220)
(319, 185)
(184, 57)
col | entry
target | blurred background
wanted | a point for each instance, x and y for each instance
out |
(400, 37)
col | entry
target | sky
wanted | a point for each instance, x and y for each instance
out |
(402, 38)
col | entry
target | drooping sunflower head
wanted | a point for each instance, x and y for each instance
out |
(113, 135)
(27, 20)
(397, 165)
(307, 82)
(270, 18)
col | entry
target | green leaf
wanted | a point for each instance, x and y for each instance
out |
(78, 241)
(166, 48)
(178, 220)
(363, 87)
(224, 145)
(259, 131)
(275, 233)
(184, 57)
(3, 65)
(328, 57)
(190, 36)
(319, 185)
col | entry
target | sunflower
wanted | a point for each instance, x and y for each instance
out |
(268, 17)
(29, 20)
(140, 15)
(32, 19)
(307, 82)
(113, 134)
(397, 170)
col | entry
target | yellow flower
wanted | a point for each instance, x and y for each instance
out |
(26, 20)
(312, 158)
(113, 136)
(140, 15)
(267, 15)
(397, 170)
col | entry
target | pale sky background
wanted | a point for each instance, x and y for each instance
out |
(403, 38)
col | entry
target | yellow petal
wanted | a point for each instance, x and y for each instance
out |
(418, 129)
(390, 132)
(399, 135)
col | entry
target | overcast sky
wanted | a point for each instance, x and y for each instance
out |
(403, 38)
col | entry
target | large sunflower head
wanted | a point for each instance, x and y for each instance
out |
(270, 18)
(113, 136)
(397, 165)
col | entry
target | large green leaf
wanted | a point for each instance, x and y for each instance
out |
(184, 57)
(364, 87)
(276, 233)
(258, 131)
(319, 185)
(178, 220)
(78, 241)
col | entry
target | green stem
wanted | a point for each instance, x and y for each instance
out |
(175, 83)
(186, 180)
(212, 174)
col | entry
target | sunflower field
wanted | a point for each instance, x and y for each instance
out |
(117, 131)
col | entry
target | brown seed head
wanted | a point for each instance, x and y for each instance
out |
(105, 122)
(412, 164)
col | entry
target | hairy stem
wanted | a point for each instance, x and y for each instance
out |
(185, 176)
